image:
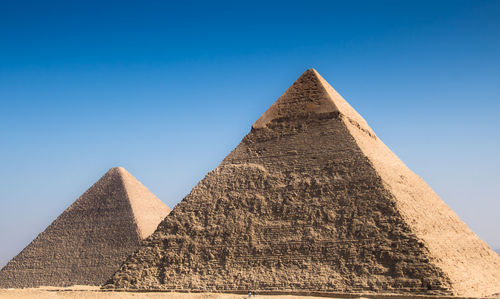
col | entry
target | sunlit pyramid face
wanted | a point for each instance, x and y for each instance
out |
(312, 200)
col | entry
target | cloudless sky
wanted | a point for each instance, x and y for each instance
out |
(168, 89)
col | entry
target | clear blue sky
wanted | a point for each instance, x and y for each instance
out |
(168, 90)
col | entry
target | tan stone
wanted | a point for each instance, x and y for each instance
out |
(88, 242)
(312, 200)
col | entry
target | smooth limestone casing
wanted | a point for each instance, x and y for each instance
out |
(89, 241)
(312, 200)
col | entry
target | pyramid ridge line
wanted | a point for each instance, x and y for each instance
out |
(145, 209)
(337, 100)
(120, 172)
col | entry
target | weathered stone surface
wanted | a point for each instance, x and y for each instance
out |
(312, 200)
(89, 241)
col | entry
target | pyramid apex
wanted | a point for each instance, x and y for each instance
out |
(147, 209)
(304, 97)
(117, 168)
(311, 74)
(310, 95)
(118, 171)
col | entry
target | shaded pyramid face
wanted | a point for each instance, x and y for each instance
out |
(312, 200)
(89, 241)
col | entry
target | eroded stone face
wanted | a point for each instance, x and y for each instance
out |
(281, 214)
(302, 204)
(89, 241)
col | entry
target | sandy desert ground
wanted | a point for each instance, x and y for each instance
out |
(84, 292)
(90, 292)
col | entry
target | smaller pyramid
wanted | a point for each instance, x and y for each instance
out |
(89, 241)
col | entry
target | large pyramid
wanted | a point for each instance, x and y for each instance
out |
(312, 200)
(89, 241)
